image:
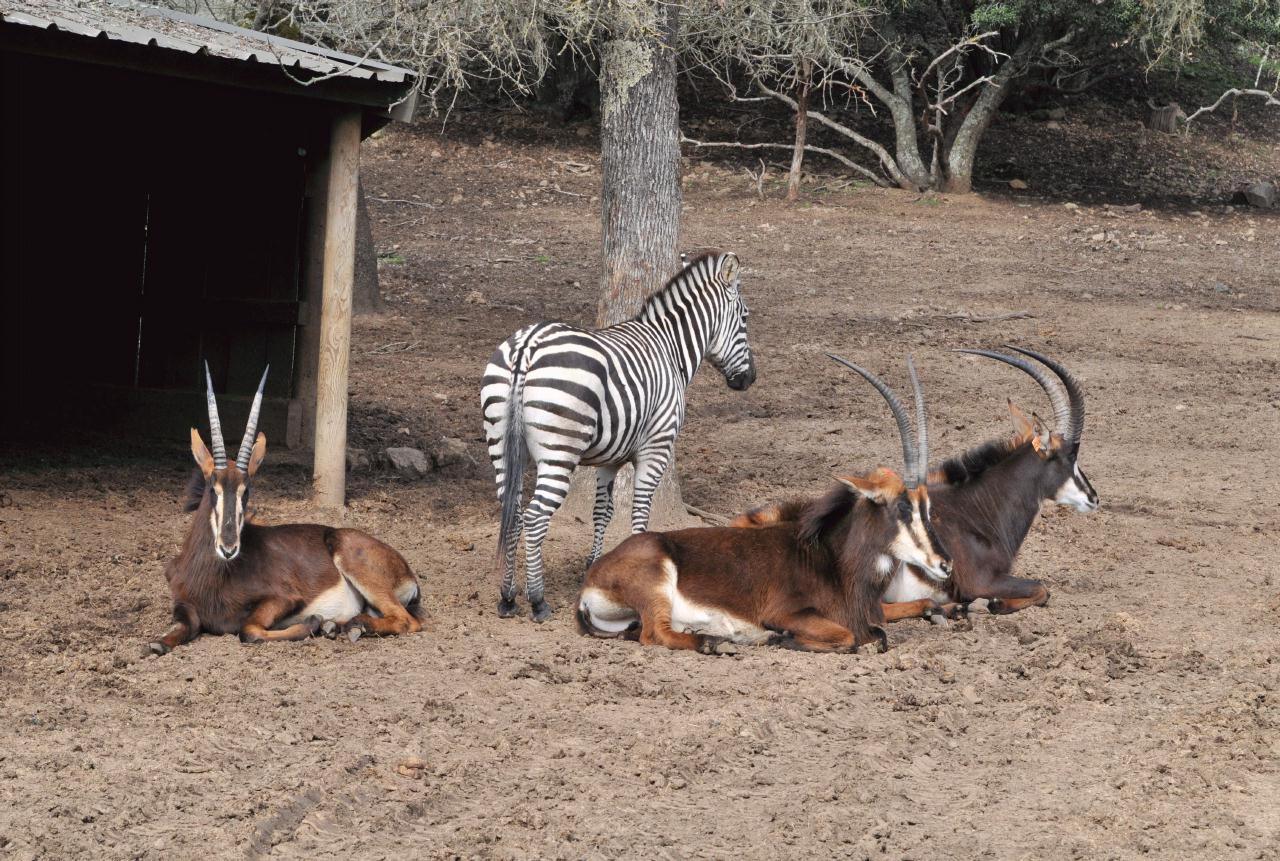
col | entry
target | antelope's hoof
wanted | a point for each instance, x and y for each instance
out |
(996, 607)
(937, 617)
(979, 604)
(883, 636)
(156, 648)
(249, 639)
(354, 630)
(541, 611)
(507, 608)
(314, 624)
(716, 646)
(960, 610)
(1045, 602)
(329, 629)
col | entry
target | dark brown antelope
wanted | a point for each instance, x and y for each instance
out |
(984, 503)
(814, 584)
(286, 582)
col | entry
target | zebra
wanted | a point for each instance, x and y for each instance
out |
(566, 396)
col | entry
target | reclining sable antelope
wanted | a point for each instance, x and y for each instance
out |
(813, 583)
(984, 502)
(285, 582)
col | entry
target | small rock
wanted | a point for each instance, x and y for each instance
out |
(475, 297)
(1260, 194)
(1017, 184)
(1071, 205)
(970, 695)
(408, 460)
(450, 451)
(457, 198)
(1219, 287)
(435, 153)
(678, 783)
(1098, 237)
(583, 131)
(1053, 125)
(1056, 114)
(358, 459)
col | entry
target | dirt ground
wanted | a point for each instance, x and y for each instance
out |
(1136, 715)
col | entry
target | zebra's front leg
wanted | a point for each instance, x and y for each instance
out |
(602, 512)
(650, 467)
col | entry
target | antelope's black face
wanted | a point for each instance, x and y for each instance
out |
(228, 491)
(1073, 487)
(729, 349)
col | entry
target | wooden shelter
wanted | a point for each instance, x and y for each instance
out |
(176, 190)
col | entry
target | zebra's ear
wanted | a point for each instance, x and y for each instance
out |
(729, 270)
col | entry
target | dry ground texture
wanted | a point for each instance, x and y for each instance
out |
(1136, 715)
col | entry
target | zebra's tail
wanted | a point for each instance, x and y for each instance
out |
(514, 454)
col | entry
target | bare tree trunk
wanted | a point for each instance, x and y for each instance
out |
(366, 297)
(802, 123)
(964, 147)
(640, 199)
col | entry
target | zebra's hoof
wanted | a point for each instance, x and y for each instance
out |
(541, 611)
(507, 608)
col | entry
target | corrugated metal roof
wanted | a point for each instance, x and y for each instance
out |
(137, 23)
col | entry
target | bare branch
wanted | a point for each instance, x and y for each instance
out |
(1269, 99)
(844, 160)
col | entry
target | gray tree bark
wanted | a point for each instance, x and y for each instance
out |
(640, 201)
(802, 127)
(366, 295)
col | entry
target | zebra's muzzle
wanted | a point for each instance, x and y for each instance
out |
(743, 380)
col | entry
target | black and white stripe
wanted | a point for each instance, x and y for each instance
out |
(564, 396)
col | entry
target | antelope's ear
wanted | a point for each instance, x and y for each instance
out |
(204, 460)
(882, 486)
(1022, 425)
(729, 270)
(1042, 439)
(259, 452)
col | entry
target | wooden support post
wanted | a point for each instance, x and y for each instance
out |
(330, 470)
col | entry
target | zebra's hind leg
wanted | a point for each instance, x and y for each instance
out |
(548, 493)
(602, 513)
(507, 602)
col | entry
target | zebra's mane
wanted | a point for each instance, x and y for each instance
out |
(705, 260)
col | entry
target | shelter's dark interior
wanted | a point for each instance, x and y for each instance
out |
(150, 222)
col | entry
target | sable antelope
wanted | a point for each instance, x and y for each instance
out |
(813, 584)
(285, 582)
(984, 503)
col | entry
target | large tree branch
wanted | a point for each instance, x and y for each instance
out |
(886, 160)
(844, 160)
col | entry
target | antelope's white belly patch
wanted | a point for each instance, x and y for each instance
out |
(906, 586)
(694, 618)
(339, 603)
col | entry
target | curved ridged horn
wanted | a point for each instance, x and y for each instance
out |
(215, 425)
(1057, 397)
(246, 445)
(922, 425)
(910, 456)
(1075, 395)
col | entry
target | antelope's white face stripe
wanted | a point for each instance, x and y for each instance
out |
(1073, 494)
(908, 585)
(694, 618)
